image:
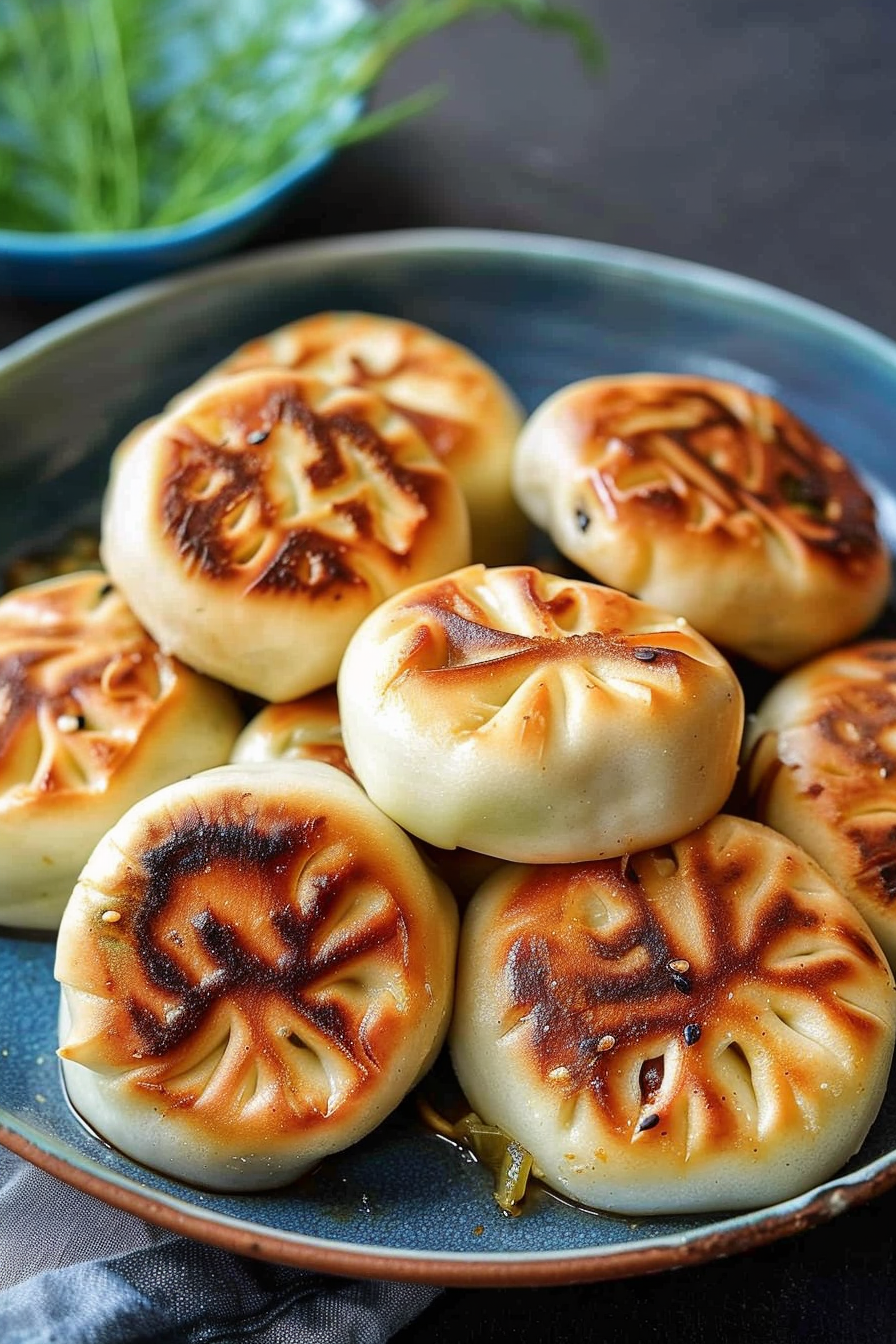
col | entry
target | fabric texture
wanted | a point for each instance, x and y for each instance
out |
(75, 1271)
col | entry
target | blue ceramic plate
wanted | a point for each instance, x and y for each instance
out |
(78, 266)
(404, 1203)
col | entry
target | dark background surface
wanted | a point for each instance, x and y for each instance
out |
(758, 136)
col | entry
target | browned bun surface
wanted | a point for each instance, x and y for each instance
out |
(254, 527)
(256, 966)
(537, 718)
(460, 406)
(712, 501)
(93, 716)
(707, 1025)
(297, 730)
(820, 766)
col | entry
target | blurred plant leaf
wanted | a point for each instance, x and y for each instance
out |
(121, 114)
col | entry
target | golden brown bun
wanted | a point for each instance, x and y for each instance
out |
(536, 718)
(256, 967)
(93, 716)
(254, 527)
(466, 414)
(820, 766)
(708, 1025)
(711, 501)
(298, 730)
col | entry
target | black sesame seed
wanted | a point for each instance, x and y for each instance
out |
(644, 654)
(692, 1034)
(681, 982)
(106, 589)
(82, 722)
(257, 436)
(649, 1122)
(583, 519)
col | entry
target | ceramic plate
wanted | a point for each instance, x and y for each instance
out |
(404, 1203)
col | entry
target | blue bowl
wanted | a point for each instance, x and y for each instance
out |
(78, 266)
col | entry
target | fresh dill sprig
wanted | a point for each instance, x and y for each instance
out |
(121, 114)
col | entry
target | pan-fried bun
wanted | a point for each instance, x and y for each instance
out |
(466, 414)
(820, 766)
(93, 716)
(707, 1025)
(256, 966)
(536, 718)
(298, 730)
(708, 500)
(255, 526)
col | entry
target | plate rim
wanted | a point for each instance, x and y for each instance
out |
(613, 257)
(736, 1234)
(732, 1234)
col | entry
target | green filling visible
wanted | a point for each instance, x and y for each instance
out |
(510, 1164)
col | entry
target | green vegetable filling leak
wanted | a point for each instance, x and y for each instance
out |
(509, 1163)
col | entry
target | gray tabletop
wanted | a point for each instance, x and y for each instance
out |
(756, 135)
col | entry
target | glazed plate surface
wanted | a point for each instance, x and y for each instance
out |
(404, 1203)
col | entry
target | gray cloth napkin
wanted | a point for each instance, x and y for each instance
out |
(75, 1271)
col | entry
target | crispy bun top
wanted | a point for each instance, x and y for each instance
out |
(284, 484)
(80, 683)
(460, 406)
(561, 719)
(268, 504)
(820, 766)
(261, 956)
(93, 716)
(687, 1023)
(710, 499)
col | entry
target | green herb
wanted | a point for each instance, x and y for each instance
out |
(125, 114)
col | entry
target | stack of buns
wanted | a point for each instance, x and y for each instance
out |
(672, 1007)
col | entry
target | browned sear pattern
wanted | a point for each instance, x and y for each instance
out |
(469, 635)
(233, 924)
(445, 434)
(79, 679)
(675, 447)
(845, 756)
(606, 971)
(221, 501)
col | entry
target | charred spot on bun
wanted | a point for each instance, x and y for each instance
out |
(253, 527)
(256, 966)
